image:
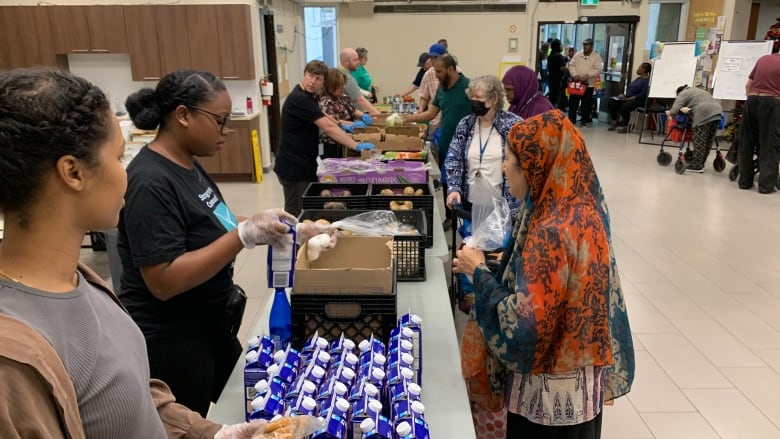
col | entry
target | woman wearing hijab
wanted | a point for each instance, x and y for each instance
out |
(477, 149)
(522, 92)
(549, 333)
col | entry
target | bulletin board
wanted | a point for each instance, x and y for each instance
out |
(675, 67)
(735, 62)
(506, 65)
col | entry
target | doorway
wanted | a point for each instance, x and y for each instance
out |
(613, 39)
(272, 74)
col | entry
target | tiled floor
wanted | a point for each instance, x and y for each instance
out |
(700, 266)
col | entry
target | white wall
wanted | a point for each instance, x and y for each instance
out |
(768, 14)
(479, 41)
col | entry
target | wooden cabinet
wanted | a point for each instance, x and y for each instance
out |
(143, 44)
(173, 37)
(28, 42)
(88, 29)
(235, 161)
(235, 42)
(205, 49)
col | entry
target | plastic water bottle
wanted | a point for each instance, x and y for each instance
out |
(280, 323)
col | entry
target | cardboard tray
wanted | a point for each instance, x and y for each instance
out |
(408, 250)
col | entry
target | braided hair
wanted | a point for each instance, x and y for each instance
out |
(46, 114)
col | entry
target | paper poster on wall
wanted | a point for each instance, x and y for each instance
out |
(732, 65)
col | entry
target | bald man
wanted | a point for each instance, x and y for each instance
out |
(349, 63)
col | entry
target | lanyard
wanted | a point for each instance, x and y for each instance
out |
(482, 147)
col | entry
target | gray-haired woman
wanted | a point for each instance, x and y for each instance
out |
(477, 149)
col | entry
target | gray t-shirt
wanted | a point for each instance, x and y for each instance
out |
(352, 89)
(103, 352)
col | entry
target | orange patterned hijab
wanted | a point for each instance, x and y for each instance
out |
(557, 306)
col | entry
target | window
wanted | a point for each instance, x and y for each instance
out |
(664, 22)
(321, 32)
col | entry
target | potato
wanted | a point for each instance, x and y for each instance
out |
(322, 222)
(419, 192)
(387, 192)
(344, 233)
(335, 205)
(395, 205)
(308, 221)
(406, 206)
(346, 193)
(408, 190)
(326, 193)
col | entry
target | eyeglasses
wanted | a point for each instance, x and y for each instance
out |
(222, 121)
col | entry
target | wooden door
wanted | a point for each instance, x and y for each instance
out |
(106, 29)
(204, 42)
(235, 33)
(69, 29)
(172, 33)
(236, 157)
(142, 42)
(27, 27)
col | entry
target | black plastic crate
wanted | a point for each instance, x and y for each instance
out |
(358, 200)
(357, 316)
(424, 202)
(409, 250)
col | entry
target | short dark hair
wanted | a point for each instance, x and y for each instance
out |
(446, 61)
(149, 108)
(555, 45)
(46, 114)
(647, 67)
(334, 79)
(316, 67)
(681, 88)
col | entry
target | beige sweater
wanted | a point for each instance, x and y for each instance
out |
(586, 65)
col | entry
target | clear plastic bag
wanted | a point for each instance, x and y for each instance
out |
(291, 427)
(375, 223)
(490, 216)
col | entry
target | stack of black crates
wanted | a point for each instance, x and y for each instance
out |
(360, 315)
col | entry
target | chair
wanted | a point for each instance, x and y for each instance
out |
(657, 111)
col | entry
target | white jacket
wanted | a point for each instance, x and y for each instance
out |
(589, 65)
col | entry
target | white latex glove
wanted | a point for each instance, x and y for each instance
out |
(240, 431)
(685, 110)
(319, 244)
(307, 231)
(266, 227)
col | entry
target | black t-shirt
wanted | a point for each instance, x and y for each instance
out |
(170, 210)
(418, 79)
(296, 158)
(554, 64)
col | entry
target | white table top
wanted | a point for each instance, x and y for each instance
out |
(444, 391)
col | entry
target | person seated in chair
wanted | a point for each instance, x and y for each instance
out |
(621, 106)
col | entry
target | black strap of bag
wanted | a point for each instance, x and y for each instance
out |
(234, 310)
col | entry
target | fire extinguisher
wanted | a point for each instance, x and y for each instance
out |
(266, 91)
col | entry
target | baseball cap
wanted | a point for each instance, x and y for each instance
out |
(437, 50)
(424, 57)
(588, 41)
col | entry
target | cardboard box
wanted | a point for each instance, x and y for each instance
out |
(395, 138)
(371, 171)
(358, 264)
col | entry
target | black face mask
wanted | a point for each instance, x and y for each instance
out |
(479, 108)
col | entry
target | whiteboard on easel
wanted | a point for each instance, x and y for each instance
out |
(736, 60)
(675, 67)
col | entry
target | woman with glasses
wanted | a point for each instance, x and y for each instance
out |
(178, 239)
